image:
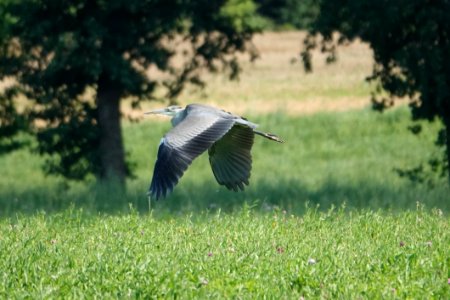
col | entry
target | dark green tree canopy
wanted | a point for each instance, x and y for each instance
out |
(411, 44)
(58, 51)
(10, 121)
(292, 13)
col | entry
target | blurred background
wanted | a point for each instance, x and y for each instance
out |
(359, 90)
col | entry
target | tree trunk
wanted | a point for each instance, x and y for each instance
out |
(112, 155)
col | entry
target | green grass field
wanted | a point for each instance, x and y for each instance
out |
(329, 255)
(244, 255)
(325, 215)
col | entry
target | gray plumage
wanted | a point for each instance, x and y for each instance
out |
(197, 128)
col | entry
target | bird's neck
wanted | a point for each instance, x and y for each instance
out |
(178, 117)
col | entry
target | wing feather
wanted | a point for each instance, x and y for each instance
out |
(182, 144)
(231, 159)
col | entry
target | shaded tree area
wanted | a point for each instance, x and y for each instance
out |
(11, 122)
(62, 54)
(411, 44)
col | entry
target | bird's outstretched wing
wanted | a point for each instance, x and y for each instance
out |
(231, 159)
(182, 144)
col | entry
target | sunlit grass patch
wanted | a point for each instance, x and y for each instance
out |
(331, 254)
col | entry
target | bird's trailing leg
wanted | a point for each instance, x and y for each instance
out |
(269, 136)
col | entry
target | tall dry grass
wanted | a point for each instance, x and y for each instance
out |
(277, 81)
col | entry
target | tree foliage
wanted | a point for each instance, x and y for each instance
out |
(62, 52)
(291, 13)
(411, 44)
(10, 121)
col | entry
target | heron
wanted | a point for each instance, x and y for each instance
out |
(197, 128)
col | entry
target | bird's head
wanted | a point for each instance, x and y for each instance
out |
(172, 111)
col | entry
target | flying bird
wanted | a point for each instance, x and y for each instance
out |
(197, 128)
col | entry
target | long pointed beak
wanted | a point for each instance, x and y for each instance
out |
(156, 112)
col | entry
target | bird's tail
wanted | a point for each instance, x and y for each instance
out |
(269, 136)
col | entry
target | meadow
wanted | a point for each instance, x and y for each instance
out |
(325, 215)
